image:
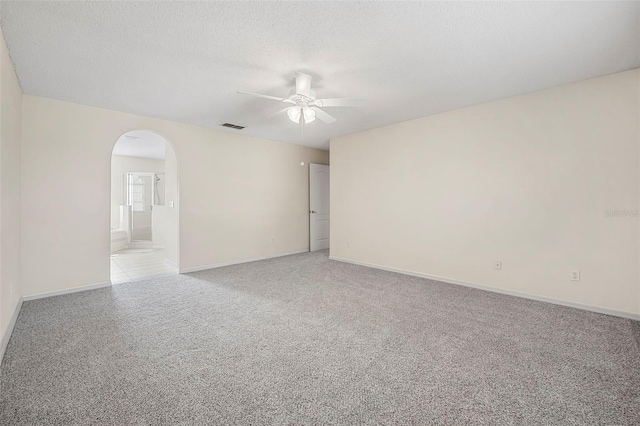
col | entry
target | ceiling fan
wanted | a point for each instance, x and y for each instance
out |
(305, 104)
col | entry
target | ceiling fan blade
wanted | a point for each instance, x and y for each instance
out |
(323, 116)
(279, 112)
(303, 84)
(340, 102)
(273, 98)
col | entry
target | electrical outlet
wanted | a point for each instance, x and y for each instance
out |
(273, 240)
(575, 275)
(348, 244)
(498, 265)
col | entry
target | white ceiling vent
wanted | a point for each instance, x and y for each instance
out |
(232, 126)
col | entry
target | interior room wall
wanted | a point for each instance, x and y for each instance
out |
(239, 197)
(546, 182)
(10, 160)
(171, 213)
(120, 165)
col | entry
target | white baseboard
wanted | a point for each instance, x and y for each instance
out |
(66, 291)
(237, 262)
(591, 308)
(170, 263)
(7, 333)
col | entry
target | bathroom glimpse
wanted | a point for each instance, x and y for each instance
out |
(143, 233)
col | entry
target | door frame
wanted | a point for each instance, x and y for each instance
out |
(311, 212)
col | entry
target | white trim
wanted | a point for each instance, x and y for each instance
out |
(7, 333)
(67, 291)
(145, 277)
(170, 263)
(591, 308)
(157, 246)
(236, 262)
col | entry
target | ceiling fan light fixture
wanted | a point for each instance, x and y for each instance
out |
(309, 114)
(294, 114)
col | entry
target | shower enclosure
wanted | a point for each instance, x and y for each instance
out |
(144, 201)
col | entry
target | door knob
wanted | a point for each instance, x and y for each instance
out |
(312, 211)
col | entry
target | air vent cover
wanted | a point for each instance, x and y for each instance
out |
(233, 126)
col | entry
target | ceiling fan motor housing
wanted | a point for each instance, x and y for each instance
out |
(301, 100)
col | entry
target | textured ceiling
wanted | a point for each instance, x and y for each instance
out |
(140, 143)
(184, 61)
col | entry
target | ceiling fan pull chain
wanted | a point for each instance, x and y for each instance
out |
(302, 136)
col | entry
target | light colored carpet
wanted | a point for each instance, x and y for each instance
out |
(306, 340)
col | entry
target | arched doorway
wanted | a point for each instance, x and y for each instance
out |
(144, 216)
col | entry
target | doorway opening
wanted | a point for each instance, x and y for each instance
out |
(141, 194)
(143, 216)
(319, 209)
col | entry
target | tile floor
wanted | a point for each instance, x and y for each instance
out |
(134, 264)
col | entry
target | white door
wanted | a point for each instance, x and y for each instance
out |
(319, 207)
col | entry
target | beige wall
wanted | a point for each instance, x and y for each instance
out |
(171, 213)
(236, 193)
(10, 136)
(525, 180)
